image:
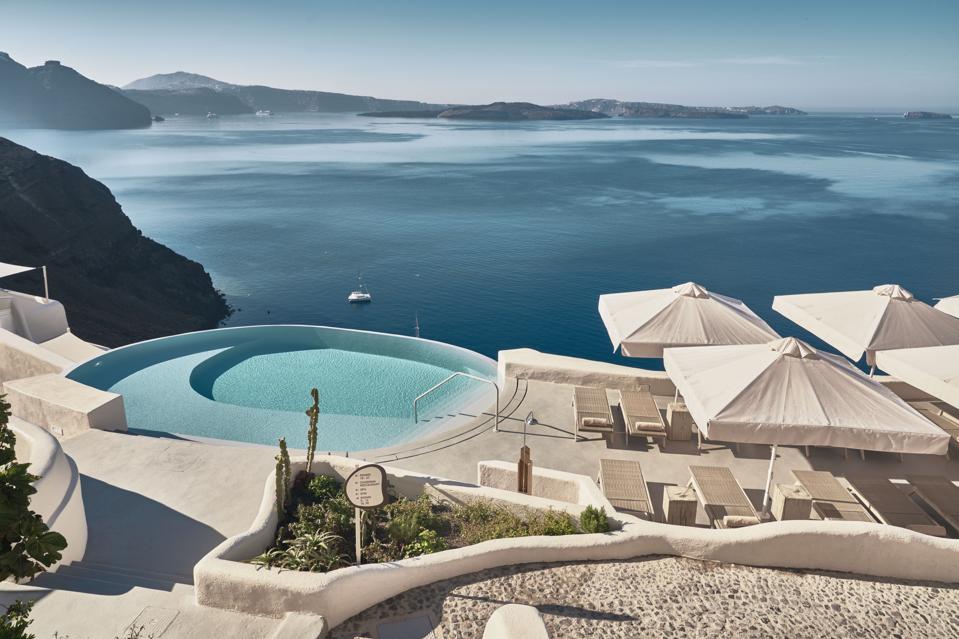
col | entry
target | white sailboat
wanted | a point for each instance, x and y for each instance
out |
(360, 295)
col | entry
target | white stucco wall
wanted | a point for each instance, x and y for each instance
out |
(223, 579)
(64, 406)
(526, 363)
(58, 499)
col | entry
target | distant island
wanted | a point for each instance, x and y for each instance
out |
(54, 96)
(120, 286)
(497, 111)
(184, 93)
(618, 108)
(926, 115)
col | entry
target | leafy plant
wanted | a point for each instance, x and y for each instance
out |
(314, 551)
(314, 414)
(323, 487)
(16, 619)
(553, 523)
(593, 520)
(27, 546)
(426, 542)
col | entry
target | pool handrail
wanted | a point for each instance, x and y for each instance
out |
(451, 377)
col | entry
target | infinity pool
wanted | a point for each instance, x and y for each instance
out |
(252, 384)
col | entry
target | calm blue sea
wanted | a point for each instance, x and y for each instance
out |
(503, 235)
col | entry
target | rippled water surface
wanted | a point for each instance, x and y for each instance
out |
(503, 235)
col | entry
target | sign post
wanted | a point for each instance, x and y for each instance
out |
(365, 489)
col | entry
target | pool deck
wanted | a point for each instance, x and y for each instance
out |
(155, 505)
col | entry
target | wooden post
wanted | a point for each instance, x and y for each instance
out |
(524, 472)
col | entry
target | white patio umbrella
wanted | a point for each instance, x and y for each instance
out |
(933, 369)
(948, 305)
(786, 392)
(6, 270)
(643, 323)
(863, 322)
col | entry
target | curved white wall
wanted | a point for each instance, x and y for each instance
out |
(58, 499)
(224, 580)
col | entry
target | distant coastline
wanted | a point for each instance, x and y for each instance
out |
(497, 111)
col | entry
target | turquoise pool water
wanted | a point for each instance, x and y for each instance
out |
(252, 384)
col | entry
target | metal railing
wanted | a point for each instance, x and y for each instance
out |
(450, 378)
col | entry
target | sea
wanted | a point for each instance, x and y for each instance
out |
(496, 236)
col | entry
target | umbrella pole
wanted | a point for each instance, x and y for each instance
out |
(46, 286)
(769, 481)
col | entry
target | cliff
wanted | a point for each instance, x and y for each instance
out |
(618, 108)
(257, 97)
(199, 101)
(54, 96)
(497, 111)
(926, 115)
(117, 285)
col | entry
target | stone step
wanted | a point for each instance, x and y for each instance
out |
(84, 577)
(136, 572)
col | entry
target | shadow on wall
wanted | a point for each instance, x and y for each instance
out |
(133, 541)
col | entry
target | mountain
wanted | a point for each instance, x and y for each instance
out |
(497, 111)
(198, 101)
(117, 285)
(54, 96)
(618, 108)
(926, 115)
(179, 81)
(257, 97)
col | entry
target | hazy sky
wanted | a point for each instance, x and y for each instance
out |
(841, 53)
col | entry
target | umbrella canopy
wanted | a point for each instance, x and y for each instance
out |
(858, 322)
(949, 305)
(643, 323)
(12, 269)
(787, 392)
(934, 369)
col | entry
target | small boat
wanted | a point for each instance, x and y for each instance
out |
(211, 115)
(264, 113)
(360, 295)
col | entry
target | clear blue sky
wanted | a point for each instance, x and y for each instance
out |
(841, 53)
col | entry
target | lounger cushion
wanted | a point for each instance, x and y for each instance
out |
(595, 421)
(739, 521)
(647, 426)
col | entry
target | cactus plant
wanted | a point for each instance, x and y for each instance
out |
(282, 481)
(314, 414)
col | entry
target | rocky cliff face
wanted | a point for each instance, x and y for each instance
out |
(199, 101)
(257, 97)
(497, 112)
(618, 108)
(117, 285)
(57, 97)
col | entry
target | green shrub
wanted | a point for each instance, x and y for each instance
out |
(428, 541)
(553, 523)
(27, 545)
(15, 621)
(323, 487)
(313, 551)
(593, 520)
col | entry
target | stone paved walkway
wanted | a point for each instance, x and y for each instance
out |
(670, 597)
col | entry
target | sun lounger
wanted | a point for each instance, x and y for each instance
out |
(830, 499)
(891, 506)
(940, 493)
(623, 485)
(641, 414)
(723, 499)
(591, 410)
(942, 419)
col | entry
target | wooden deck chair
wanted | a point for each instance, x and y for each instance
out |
(891, 506)
(941, 494)
(623, 485)
(723, 499)
(641, 415)
(830, 499)
(591, 410)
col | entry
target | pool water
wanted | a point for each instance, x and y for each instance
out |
(252, 384)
